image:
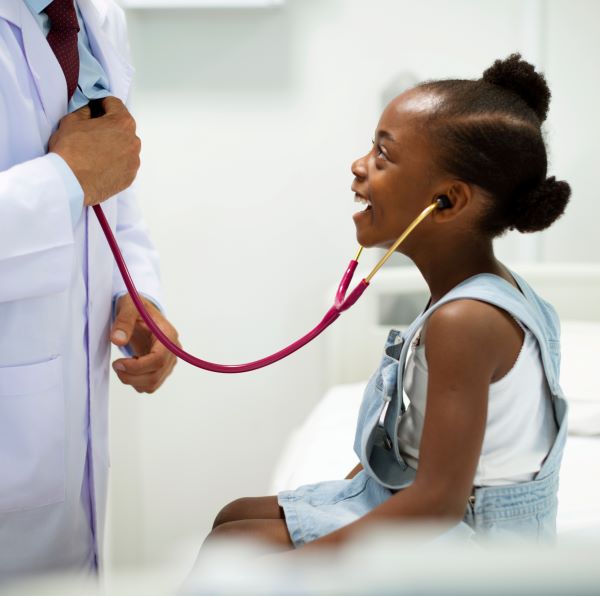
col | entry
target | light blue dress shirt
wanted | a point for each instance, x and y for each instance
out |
(92, 84)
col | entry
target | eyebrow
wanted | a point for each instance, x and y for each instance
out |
(386, 135)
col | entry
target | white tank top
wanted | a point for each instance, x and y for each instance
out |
(520, 427)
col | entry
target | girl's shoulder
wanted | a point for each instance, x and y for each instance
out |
(474, 328)
(469, 317)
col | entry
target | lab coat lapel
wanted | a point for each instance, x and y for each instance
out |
(45, 69)
(112, 59)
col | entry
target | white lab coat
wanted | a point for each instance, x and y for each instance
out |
(54, 371)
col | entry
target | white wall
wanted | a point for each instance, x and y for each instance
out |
(573, 57)
(250, 120)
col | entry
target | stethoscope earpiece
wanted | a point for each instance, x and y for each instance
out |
(443, 202)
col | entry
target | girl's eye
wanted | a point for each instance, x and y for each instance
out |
(379, 153)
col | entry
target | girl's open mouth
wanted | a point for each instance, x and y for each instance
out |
(363, 201)
(364, 216)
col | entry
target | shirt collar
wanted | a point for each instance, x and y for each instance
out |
(38, 5)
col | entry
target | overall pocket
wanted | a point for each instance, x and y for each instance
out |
(32, 436)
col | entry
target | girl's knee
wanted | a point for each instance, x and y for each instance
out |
(219, 532)
(233, 529)
(231, 512)
(222, 530)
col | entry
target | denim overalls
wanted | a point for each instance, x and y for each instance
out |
(525, 510)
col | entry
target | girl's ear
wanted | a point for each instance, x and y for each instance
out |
(457, 197)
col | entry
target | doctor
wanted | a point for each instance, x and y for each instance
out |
(58, 283)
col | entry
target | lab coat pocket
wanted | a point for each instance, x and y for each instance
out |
(32, 431)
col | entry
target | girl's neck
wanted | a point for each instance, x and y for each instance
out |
(443, 269)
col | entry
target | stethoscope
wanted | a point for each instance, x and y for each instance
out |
(340, 304)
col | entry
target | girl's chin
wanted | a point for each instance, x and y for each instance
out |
(364, 229)
(364, 240)
(370, 240)
(367, 234)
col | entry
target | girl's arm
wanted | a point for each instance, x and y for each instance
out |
(469, 344)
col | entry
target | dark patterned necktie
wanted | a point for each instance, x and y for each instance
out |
(62, 38)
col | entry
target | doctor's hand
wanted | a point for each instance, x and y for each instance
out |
(152, 362)
(103, 153)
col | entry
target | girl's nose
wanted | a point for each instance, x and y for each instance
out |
(359, 168)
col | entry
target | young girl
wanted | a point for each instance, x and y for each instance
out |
(482, 438)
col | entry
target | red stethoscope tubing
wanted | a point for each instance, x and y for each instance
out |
(341, 303)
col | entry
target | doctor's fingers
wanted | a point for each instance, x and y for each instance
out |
(146, 383)
(83, 113)
(116, 110)
(113, 105)
(124, 325)
(143, 377)
(157, 360)
(75, 118)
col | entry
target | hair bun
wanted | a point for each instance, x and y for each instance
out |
(542, 206)
(520, 77)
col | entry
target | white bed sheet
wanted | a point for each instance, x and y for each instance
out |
(579, 490)
(321, 449)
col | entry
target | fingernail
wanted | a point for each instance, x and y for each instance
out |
(118, 366)
(119, 335)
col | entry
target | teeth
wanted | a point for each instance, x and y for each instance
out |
(359, 199)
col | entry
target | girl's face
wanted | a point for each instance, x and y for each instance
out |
(396, 179)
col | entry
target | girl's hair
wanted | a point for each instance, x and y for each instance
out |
(487, 132)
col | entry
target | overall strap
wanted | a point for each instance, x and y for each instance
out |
(522, 306)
